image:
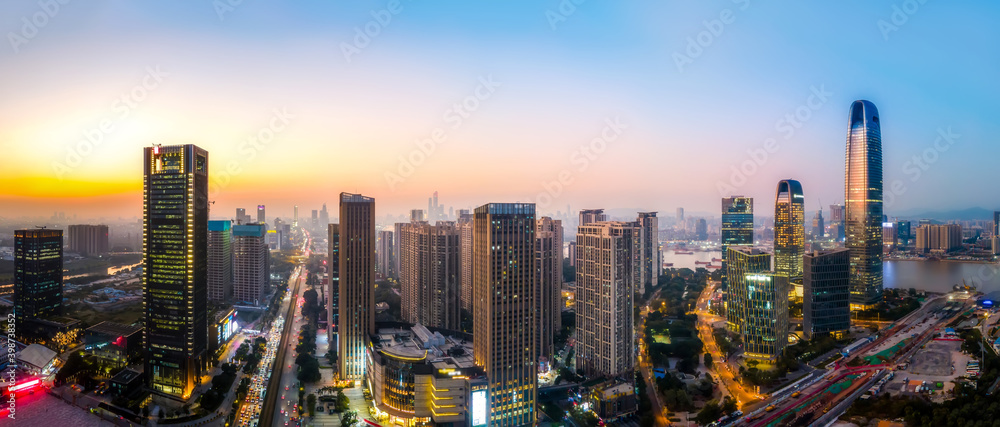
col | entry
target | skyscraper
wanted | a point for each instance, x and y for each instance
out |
(324, 217)
(357, 282)
(837, 227)
(429, 259)
(680, 215)
(386, 255)
(504, 310)
(220, 261)
(175, 273)
(88, 239)
(240, 215)
(251, 264)
(333, 297)
(826, 284)
(417, 215)
(737, 226)
(571, 253)
(38, 275)
(261, 217)
(757, 305)
(465, 228)
(701, 230)
(605, 292)
(789, 233)
(295, 216)
(588, 216)
(863, 205)
(548, 260)
(649, 252)
(819, 227)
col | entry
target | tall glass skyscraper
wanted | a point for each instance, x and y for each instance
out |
(175, 273)
(38, 275)
(757, 304)
(863, 195)
(789, 232)
(737, 225)
(356, 279)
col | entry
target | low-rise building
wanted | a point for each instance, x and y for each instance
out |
(37, 359)
(222, 328)
(113, 344)
(614, 401)
(419, 377)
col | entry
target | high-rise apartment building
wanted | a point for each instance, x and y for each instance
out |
(465, 233)
(996, 223)
(504, 310)
(324, 217)
(904, 232)
(863, 205)
(357, 282)
(38, 275)
(261, 216)
(826, 285)
(417, 215)
(220, 261)
(571, 253)
(429, 259)
(386, 255)
(548, 261)
(88, 239)
(333, 297)
(649, 250)
(588, 216)
(941, 238)
(789, 233)
(295, 216)
(701, 230)
(175, 273)
(251, 264)
(605, 293)
(757, 307)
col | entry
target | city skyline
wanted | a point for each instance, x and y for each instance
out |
(545, 103)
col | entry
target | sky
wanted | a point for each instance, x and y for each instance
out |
(647, 105)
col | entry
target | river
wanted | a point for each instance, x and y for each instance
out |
(928, 276)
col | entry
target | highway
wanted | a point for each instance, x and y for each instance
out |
(722, 369)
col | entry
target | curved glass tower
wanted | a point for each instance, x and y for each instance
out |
(863, 195)
(789, 232)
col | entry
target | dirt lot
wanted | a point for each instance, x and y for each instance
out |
(935, 359)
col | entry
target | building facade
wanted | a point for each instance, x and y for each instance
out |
(356, 281)
(605, 293)
(789, 233)
(220, 261)
(333, 297)
(38, 275)
(504, 320)
(115, 345)
(649, 255)
(588, 216)
(549, 261)
(863, 205)
(465, 265)
(251, 264)
(826, 303)
(175, 276)
(88, 239)
(757, 304)
(430, 256)
(939, 238)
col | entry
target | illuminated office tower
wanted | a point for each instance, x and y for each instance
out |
(175, 273)
(548, 260)
(605, 292)
(737, 226)
(826, 284)
(357, 282)
(649, 252)
(789, 233)
(38, 276)
(386, 255)
(429, 275)
(588, 216)
(333, 297)
(87, 239)
(251, 264)
(240, 214)
(261, 217)
(759, 299)
(220, 261)
(465, 265)
(504, 310)
(863, 206)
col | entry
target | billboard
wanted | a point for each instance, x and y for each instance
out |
(479, 409)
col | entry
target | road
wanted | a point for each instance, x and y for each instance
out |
(730, 386)
(646, 368)
(282, 405)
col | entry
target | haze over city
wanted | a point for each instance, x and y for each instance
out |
(350, 109)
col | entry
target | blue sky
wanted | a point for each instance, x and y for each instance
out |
(562, 75)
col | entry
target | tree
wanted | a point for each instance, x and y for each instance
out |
(708, 360)
(728, 405)
(311, 404)
(711, 412)
(349, 419)
(162, 415)
(343, 403)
